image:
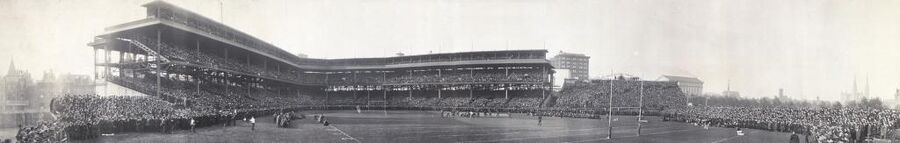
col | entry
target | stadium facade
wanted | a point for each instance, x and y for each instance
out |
(182, 57)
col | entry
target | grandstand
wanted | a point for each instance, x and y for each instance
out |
(191, 67)
(187, 78)
(184, 58)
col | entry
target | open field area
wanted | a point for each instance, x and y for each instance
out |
(426, 126)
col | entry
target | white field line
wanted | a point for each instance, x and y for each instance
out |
(555, 136)
(345, 134)
(729, 138)
(665, 132)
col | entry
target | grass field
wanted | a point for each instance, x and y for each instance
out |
(426, 126)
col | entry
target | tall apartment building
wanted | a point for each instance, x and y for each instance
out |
(576, 63)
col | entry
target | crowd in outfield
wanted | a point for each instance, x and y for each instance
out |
(85, 116)
(824, 124)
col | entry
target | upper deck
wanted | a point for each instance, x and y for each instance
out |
(162, 14)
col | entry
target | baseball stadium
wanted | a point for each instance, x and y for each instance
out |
(177, 76)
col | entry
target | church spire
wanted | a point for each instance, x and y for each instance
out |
(867, 86)
(12, 66)
(728, 88)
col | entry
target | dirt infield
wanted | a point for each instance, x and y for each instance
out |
(428, 126)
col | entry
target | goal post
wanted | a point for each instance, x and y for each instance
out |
(611, 107)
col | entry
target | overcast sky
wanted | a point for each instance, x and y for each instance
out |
(811, 48)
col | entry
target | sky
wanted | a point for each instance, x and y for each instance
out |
(810, 48)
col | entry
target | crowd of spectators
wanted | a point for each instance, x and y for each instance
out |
(625, 93)
(191, 55)
(448, 99)
(434, 76)
(42, 132)
(88, 116)
(214, 61)
(824, 124)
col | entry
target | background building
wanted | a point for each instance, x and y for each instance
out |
(691, 86)
(16, 91)
(302, 55)
(897, 97)
(576, 63)
(24, 101)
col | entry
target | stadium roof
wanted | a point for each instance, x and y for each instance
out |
(159, 3)
(263, 48)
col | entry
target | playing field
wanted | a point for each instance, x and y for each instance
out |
(428, 126)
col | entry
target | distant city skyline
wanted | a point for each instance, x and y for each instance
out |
(810, 49)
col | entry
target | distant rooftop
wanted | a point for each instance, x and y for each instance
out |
(561, 53)
(682, 78)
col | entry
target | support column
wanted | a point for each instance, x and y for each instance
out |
(471, 86)
(134, 53)
(228, 86)
(96, 75)
(384, 87)
(440, 86)
(506, 88)
(552, 82)
(106, 61)
(249, 88)
(158, 63)
(197, 73)
(368, 96)
(197, 80)
(326, 91)
(227, 79)
(471, 90)
(121, 62)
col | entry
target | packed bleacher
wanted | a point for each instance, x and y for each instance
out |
(212, 61)
(825, 124)
(424, 76)
(451, 75)
(522, 99)
(625, 93)
(88, 116)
